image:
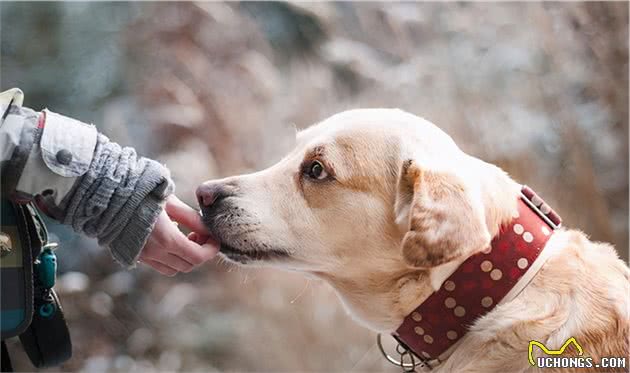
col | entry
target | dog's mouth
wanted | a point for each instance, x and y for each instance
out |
(246, 256)
(236, 243)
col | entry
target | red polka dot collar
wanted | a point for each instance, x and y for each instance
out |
(480, 282)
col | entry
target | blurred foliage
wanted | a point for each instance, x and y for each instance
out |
(213, 89)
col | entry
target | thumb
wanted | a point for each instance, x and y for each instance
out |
(184, 214)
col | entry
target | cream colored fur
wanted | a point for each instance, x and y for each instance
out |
(403, 207)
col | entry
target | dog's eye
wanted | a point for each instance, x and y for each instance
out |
(316, 171)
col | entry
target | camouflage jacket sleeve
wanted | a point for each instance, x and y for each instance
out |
(79, 177)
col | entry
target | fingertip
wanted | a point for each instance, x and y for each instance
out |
(179, 211)
(210, 240)
(210, 249)
(210, 245)
(188, 270)
(200, 251)
(198, 238)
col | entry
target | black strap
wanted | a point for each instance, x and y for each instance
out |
(47, 340)
(45, 336)
(6, 360)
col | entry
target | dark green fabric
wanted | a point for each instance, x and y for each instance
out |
(16, 281)
(44, 335)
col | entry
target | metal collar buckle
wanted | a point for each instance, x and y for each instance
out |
(408, 361)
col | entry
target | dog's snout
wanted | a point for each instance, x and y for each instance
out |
(210, 193)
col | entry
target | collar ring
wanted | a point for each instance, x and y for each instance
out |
(413, 361)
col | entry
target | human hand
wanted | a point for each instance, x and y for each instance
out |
(168, 250)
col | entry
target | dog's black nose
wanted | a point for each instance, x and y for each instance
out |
(211, 192)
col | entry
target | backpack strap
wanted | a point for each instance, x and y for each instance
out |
(16, 269)
(47, 339)
(42, 327)
(6, 360)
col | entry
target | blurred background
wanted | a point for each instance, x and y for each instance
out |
(214, 89)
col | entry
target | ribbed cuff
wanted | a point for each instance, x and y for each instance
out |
(128, 245)
(129, 241)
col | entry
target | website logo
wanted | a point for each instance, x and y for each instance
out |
(555, 360)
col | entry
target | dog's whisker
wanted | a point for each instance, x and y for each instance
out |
(308, 282)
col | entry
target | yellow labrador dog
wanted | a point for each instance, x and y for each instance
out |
(386, 208)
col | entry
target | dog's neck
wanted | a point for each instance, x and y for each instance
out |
(499, 194)
(392, 290)
(490, 278)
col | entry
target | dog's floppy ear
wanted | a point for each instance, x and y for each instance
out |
(443, 218)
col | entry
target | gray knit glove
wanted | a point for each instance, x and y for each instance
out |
(118, 199)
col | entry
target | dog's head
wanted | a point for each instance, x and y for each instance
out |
(378, 202)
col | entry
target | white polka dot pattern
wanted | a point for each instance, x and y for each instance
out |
(486, 266)
(522, 263)
(450, 302)
(496, 274)
(486, 301)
